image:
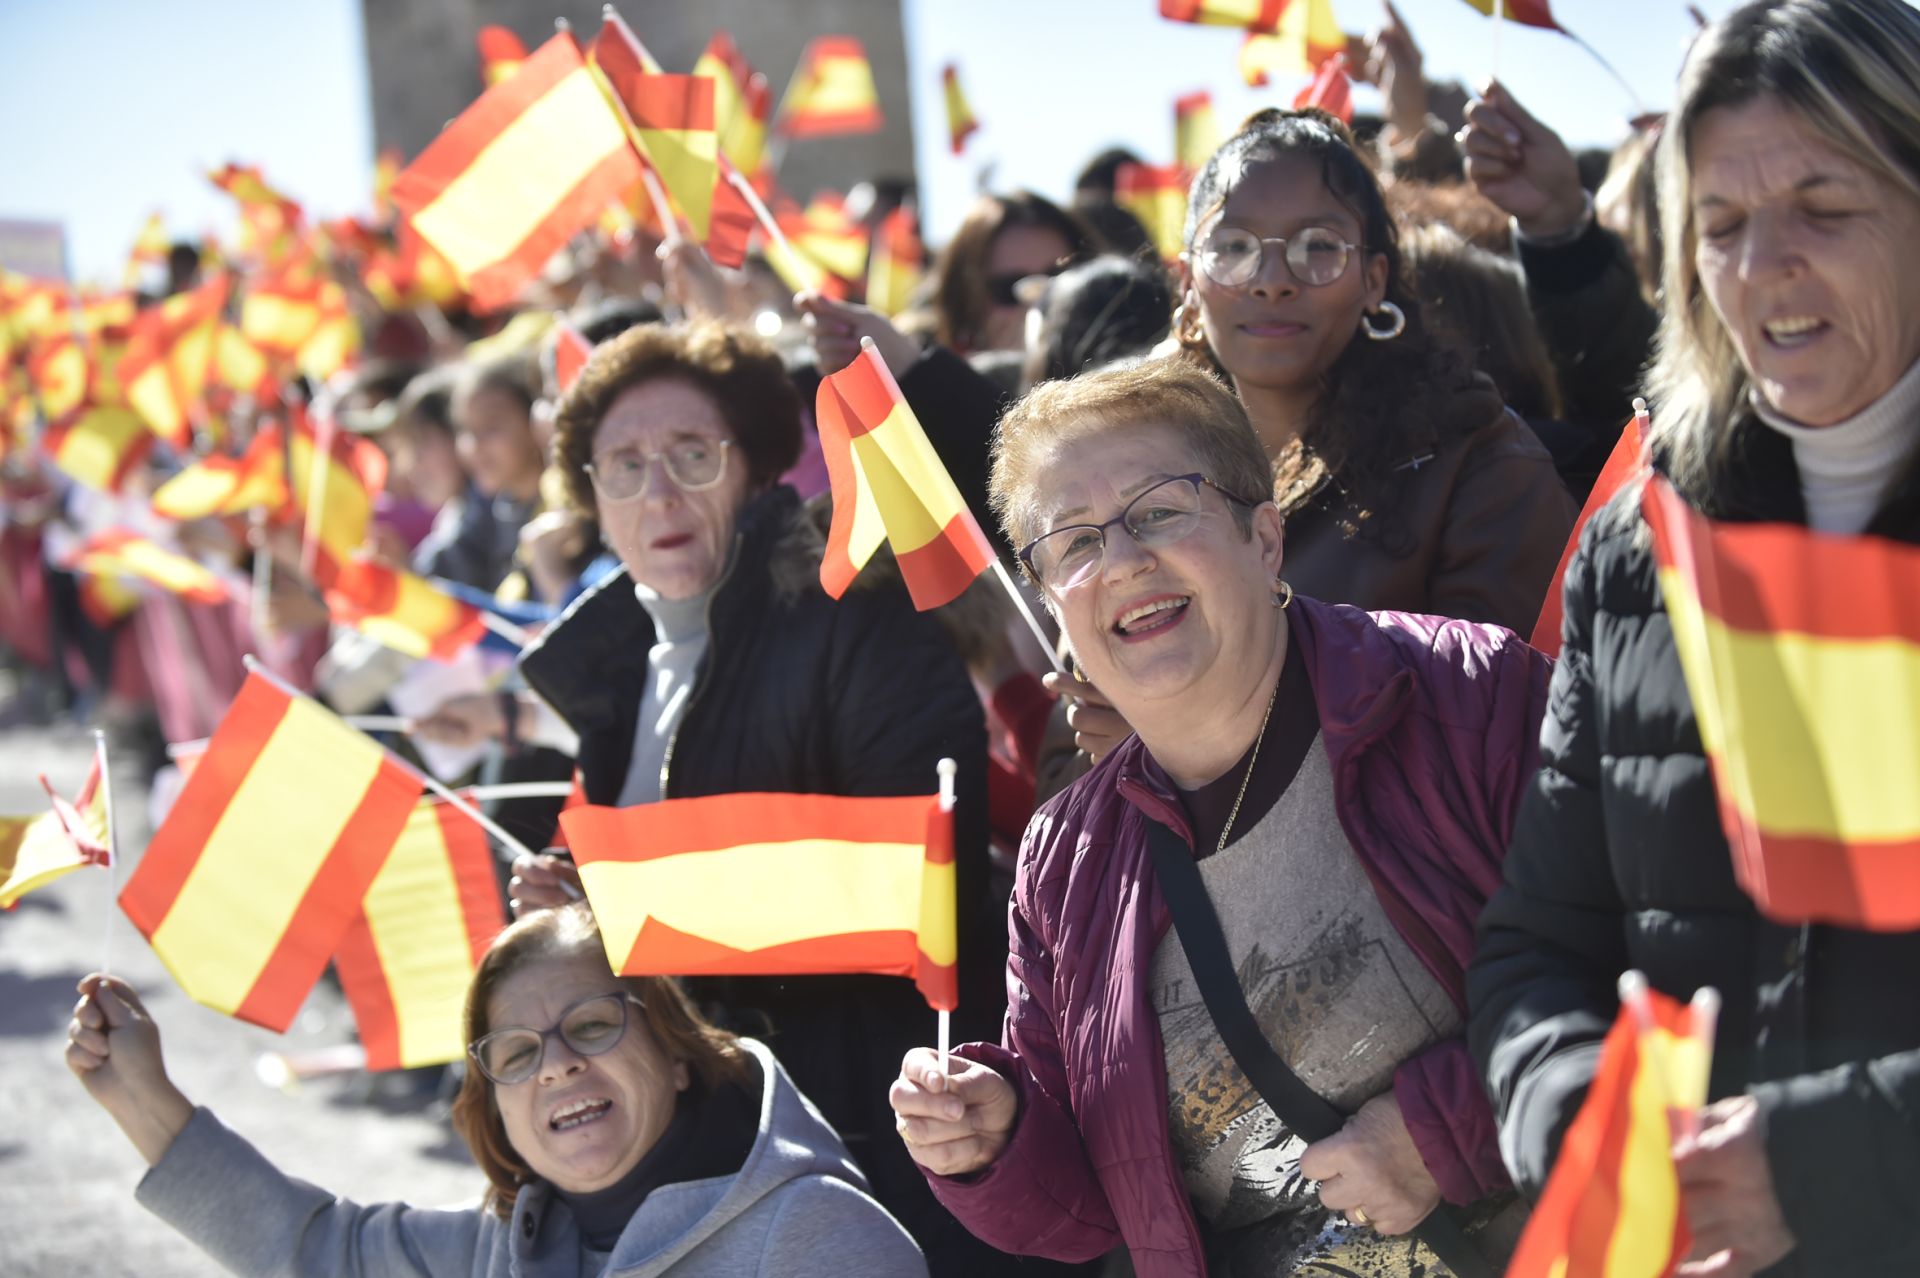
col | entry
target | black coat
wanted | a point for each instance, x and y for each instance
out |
(1618, 861)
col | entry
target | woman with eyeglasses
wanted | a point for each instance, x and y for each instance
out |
(1003, 240)
(1346, 782)
(618, 1131)
(713, 663)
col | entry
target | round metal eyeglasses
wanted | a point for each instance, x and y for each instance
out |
(693, 464)
(1233, 256)
(590, 1027)
(1165, 513)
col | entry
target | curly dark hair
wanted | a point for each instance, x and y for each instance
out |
(737, 370)
(1382, 403)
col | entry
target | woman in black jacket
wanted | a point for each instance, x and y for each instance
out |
(1788, 389)
(713, 663)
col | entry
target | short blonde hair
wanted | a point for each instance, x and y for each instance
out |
(1169, 392)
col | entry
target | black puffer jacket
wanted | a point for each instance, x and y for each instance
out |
(800, 693)
(1618, 861)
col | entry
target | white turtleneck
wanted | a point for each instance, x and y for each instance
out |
(1847, 468)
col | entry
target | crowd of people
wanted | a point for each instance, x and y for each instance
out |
(1292, 905)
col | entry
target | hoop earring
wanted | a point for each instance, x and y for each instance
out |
(1395, 325)
(1283, 596)
(1186, 325)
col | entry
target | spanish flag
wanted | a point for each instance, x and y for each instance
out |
(1611, 1208)
(1195, 130)
(742, 102)
(504, 186)
(501, 53)
(1331, 90)
(1623, 463)
(269, 221)
(304, 324)
(220, 486)
(1307, 35)
(424, 924)
(149, 250)
(1802, 656)
(898, 262)
(238, 365)
(832, 92)
(1532, 13)
(773, 884)
(170, 347)
(961, 123)
(34, 851)
(829, 247)
(333, 497)
(1255, 15)
(405, 612)
(118, 552)
(1156, 195)
(261, 867)
(889, 485)
(386, 167)
(670, 118)
(100, 447)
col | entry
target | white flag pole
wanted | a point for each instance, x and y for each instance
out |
(948, 770)
(113, 850)
(514, 634)
(1026, 615)
(1499, 21)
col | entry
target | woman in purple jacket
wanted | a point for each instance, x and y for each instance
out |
(1347, 783)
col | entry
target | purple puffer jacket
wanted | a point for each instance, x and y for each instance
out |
(1432, 728)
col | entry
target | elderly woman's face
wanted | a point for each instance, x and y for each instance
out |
(582, 1122)
(673, 539)
(1807, 257)
(1153, 623)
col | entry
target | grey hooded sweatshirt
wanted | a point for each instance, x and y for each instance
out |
(797, 1206)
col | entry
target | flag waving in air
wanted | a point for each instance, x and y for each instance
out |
(1156, 195)
(1623, 463)
(501, 53)
(772, 884)
(889, 485)
(1801, 652)
(1531, 13)
(832, 92)
(34, 851)
(250, 884)
(118, 552)
(170, 350)
(742, 102)
(961, 123)
(406, 613)
(1195, 130)
(1307, 35)
(1255, 15)
(1331, 90)
(670, 119)
(220, 485)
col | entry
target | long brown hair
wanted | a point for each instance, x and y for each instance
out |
(1382, 403)
(714, 1056)
(960, 298)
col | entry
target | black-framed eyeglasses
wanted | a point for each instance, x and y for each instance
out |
(1160, 516)
(590, 1027)
(694, 465)
(1232, 255)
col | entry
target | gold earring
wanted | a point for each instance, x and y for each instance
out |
(1283, 596)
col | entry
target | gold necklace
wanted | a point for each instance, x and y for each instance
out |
(1240, 797)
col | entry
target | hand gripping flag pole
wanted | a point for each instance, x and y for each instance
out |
(947, 769)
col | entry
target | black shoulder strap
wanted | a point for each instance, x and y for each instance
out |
(1303, 1110)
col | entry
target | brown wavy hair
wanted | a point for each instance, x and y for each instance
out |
(960, 300)
(1382, 403)
(737, 370)
(712, 1055)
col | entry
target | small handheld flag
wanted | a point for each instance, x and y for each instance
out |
(1625, 461)
(961, 123)
(832, 92)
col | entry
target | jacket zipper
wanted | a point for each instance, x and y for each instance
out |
(666, 760)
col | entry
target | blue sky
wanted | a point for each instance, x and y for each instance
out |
(117, 108)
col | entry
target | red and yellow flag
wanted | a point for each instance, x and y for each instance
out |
(961, 122)
(1307, 35)
(1802, 656)
(670, 118)
(1623, 463)
(1156, 195)
(117, 552)
(101, 447)
(1532, 13)
(501, 53)
(534, 160)
(773, 884)
(1196, 132)
(1331, 90)
(889, 485)
(1611, 1208)
(571, 351)
(829, 246)
(270, 223)
(386, 167)
(334, 477)
(262, 865)
(405, 612)
(170, 348)
(1255, 15)
(149, 250)
(424, 924)
(742, 102)
(832, 92)
(220, 485)
(34, 851)
(897, 264)
(303, 323)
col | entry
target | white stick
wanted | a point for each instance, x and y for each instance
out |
(378, 722)
(262, 575)
(317, 471)
(1499, 20)
(1026, 614)
(187, 749)
(485, 822)
(946, 1035)
(760, 212)
(113, 850)
(660, 205)
(947, 770)
(513, 634)
(519, 790)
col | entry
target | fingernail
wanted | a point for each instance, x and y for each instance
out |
(953, 1112)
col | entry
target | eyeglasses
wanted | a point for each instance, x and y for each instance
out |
(1232, 256)
(1160, 516)
(694, 465)
(590, 1027)
(1019, 288)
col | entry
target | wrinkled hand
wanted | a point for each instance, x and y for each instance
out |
(1520, 164)
(952, 1123)
(113, 1048)
(692, 280)
(1097, 726)
(836, 329)
(465, 721)
(1393, 64)
(1726, 1188)
(1371, 1165)
(541, 882)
